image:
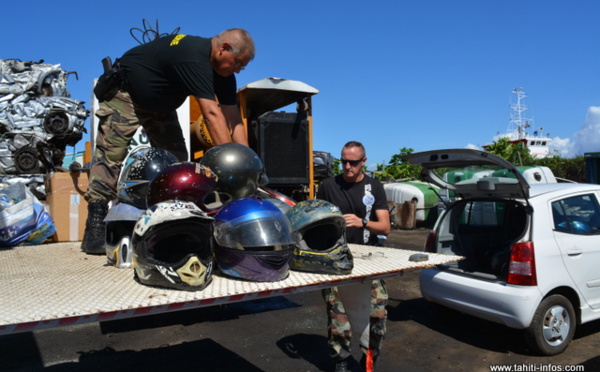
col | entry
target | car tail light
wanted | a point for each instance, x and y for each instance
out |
(521, 269)
(430, 243)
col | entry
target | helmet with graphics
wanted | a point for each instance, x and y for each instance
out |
(239, 169)
(253, 240)
(172, 246)
(182, 181)
(320, 233)
(141, 166)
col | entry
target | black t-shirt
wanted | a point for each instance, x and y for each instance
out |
(162, 73)
(361, 198)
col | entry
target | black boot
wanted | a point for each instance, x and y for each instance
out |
(341, 366)
(95, 230)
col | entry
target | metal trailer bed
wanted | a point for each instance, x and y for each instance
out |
(52, 285)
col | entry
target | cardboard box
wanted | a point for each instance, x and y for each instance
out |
(68, 208)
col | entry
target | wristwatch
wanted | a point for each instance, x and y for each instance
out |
(365, 222)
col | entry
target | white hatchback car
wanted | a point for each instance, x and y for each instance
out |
(531, 252)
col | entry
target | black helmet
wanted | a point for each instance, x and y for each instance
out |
(253, 240)
(182, 181)
(320, 230)
(172, 246)
(239, 169)
(141, 166)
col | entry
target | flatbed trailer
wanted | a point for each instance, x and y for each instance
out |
(52, 285)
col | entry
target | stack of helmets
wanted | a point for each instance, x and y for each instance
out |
(173, 247)
(141, 166)
(253, 240)
(320, 233)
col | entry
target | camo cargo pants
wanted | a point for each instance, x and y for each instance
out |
(118, 122)
(338, 327)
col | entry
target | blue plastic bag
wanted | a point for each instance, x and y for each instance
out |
(22, 217)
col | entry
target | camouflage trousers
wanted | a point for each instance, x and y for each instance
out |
(119, 120)
(338, 327)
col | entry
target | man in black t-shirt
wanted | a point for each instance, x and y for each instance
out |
(363, 202)
(156, 78)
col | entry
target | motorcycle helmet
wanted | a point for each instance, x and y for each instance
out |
(172, 246)
(120, 221)
(253, 240)
(182, 181)
(283, 202)
(239, 169)
(141, 166)
(320, 232)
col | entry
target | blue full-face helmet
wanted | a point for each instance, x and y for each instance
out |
(253, 240)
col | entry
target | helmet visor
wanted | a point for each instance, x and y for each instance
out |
(271, 230)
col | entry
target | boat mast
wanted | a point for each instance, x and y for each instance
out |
(517, 125)
(538, 143)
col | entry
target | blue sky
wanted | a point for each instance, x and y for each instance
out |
(421, 74)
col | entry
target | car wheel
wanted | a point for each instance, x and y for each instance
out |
(552, 327)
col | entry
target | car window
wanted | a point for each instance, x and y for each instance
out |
(481, 214)
(577, 215)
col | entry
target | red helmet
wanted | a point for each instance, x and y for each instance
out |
(182, 181)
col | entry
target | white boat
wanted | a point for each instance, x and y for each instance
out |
(537, 142)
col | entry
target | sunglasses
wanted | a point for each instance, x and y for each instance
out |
(353, 163)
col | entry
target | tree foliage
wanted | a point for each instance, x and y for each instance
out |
(570, 169)
(397, 168)
(337, 166)
(516, 153)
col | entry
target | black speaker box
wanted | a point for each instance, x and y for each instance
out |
(281, 140)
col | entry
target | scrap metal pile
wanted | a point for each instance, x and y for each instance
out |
(37, 117)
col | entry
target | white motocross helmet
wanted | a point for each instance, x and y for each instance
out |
(172, 246)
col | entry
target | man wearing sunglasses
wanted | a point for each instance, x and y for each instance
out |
(363, 202)
(144, 88)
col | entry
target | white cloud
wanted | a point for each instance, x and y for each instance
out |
(472, 147)
(587, 139)
(562, 147)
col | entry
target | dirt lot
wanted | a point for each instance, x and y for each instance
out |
(288, 334)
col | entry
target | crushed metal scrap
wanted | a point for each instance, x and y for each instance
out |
(38, 119)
